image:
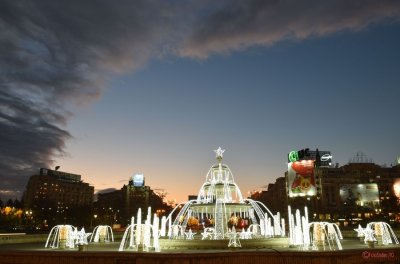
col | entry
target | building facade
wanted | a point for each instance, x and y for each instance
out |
(55, 196)
(356, 193)
(118, 206)
(275, 197)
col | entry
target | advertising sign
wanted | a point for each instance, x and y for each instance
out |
(364, 195)
(321, 158)
(301, 180)
(138, 179)
(324, 157)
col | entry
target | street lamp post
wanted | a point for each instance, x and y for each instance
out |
(94, 221)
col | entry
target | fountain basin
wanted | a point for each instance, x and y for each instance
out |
(198, 244)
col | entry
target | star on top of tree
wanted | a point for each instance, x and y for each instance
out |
(219, 152)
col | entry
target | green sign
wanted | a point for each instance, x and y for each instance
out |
(293, 156)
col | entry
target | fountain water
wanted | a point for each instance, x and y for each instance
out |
(220, 206)
(102, 233)
(298, 228)
(324, 233)
(62, 236)
(315, 234)
(383, 232)
(218, 210)
(137, 237)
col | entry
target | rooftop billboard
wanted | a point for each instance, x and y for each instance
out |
(322, 158)
(301, 180)
(138, 179)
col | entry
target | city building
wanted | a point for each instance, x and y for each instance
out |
(358, 192)
(108, 208)
(275, 197)
(55, 196)
(118, 206)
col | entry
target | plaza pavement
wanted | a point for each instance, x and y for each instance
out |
(107, 253)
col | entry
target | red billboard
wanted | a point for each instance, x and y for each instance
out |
(301, 180)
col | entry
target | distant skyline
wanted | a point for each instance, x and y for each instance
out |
(108, 89)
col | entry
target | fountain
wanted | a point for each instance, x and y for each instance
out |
(379, 232)
(324, 233)
(102, 233)
(137, 237)
(316, 235)
(62, 236)
(219, 214)
(298, 229)
(383, 232)
(220, 206)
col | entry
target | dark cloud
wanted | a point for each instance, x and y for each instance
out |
(240, 24)
(29, 139)
(57, 55)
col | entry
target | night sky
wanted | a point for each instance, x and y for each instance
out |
(109, 88)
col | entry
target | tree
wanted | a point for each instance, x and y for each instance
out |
(10, 203)
(17, 204)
